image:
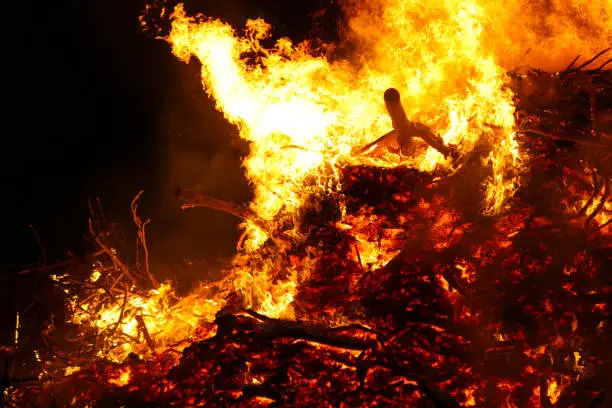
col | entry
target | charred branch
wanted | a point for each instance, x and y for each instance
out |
(142, 326)
(581, 141)
(587, 63)
(194, 199)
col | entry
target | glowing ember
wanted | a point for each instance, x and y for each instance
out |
(123, 378)
(17, 324)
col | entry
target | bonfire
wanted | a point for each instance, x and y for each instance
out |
(429, 228)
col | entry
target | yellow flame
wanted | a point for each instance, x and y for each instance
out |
(547, 34)
(168, 322)
(305, 113)
(95, 275)
(470, 401)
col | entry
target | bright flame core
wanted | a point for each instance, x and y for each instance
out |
(304, 113)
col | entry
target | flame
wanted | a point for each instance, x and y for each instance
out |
(71, 370)
(375, 245)
(554, 389)
(167, 322)
(305, 113)
(470, 401)
(594, 205)
(547, 34)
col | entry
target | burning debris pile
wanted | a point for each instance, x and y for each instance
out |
(413, 299)
(458, 260)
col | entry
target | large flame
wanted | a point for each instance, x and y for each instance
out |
(305, 114)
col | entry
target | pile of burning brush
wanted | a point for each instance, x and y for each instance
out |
(427, 303)
(434, 266)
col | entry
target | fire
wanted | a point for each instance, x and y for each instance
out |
(144, 323)
(305, 113)
(17, 325)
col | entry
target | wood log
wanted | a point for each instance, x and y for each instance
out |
(407, 129)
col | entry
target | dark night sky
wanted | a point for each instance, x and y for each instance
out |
(100, 109)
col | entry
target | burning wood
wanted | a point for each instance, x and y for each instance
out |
(387, 284)
(407, 130)
(510, 311)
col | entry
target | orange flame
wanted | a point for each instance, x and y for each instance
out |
(306, 114)
(303, 113)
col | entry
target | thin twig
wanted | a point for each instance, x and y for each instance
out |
(596, 190)
(192, 199)
(47, 268)
(142, 236)
(40, 244)
(116, 261)
(601, 204)
(604, 225)
(120, 318)
(386, 138)
(604, 64)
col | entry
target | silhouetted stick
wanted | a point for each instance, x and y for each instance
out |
(117, 264)
(600, 205)
(382, 141)
(193, 199)
(567, 138)
(593, 59)
(145, 332)
(604, 64)
(571, 64)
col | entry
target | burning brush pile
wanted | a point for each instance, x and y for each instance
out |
(428, 229)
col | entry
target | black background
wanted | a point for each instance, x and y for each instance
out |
(96, 107)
